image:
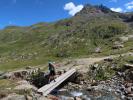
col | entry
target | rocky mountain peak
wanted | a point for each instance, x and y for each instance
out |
(97, 9)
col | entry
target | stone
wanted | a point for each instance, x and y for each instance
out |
(14, 97)
(102, 82)
(29, 98)
(25, 87)
(128, 66)
(2, 77)
(82, 82)
(52, 97)
(129, 75)
(130, 95)
(77, 98)
(129, 91)
(1, 73)
(89, 89)
(130, 36)
(94, 83)
(98, 50)
(123, 39)
(96, 65)
(22, 82)
(43, 98)
(109, 59)
(118, 46)
(128, 85)
(123, 97)
(7, 75)
(118, 91)
(3, 94)
(28, 67)
(119, 73)
(70, 98)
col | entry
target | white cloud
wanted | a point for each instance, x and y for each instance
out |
(117, 9)
(72, 8)
(129, 5)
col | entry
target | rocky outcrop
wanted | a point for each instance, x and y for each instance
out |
(20, 74)
(25, 86)
(14, 97)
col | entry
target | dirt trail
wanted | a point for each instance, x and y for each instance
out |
(83, 63)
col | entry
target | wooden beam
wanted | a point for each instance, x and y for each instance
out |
(45, 90)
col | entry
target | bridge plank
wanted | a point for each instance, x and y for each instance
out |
(45, 90)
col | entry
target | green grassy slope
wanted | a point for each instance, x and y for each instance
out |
(94, 26)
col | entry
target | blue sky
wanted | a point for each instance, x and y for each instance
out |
(28, 12)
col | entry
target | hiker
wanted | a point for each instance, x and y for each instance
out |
(52, 71)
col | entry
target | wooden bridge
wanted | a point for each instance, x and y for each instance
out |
(45, 90)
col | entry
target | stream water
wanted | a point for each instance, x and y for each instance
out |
(85, 95)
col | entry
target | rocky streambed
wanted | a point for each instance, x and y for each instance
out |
(111, 89)
(91, 85)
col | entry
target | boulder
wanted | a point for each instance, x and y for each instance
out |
(14, 97)
(2, 77)
(1, 73)
(29, 67)
(128, 66)
(129, 91)
(7, 75)
(123, 39)
(98, 50)
(109, 59)
(130, 95)
(129, 75)
(29, 98)
(118, 46)
(3, 94)
(43, 98)
(22, 82)
(52, 97)
(89, 89)
(25, 87)
(77, 98)
(128, 85)
(130, 36)
(117, 42)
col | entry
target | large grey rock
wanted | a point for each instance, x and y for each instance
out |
(8, 75)
(129, 91)
(14, 97)
(128, 85)
(129, 75)
(128, 66)
(130, 95)
(98, 50)
(43, 98)
(22, 82)
(123, 39)
(130, 36)
(109, 59)
(25, 87)
(118, 46)
(2, 77)
(1, 73)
